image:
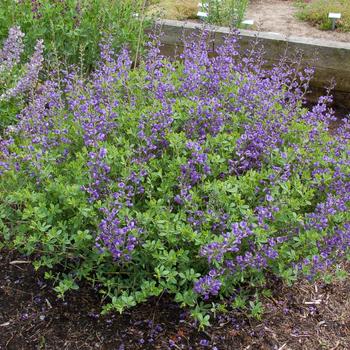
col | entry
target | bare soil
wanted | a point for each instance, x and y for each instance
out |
(279, 16)
(303, 317)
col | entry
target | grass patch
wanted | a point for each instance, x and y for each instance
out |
(179, 10)
(316, 12)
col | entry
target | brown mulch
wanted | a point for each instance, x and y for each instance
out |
(305, 316)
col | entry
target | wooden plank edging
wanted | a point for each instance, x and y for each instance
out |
(330, 58)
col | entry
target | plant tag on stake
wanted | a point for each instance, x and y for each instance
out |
(334, 16)
(202, 15)
(248, 22)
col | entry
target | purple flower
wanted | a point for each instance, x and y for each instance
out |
(208, 285)
(204, 342)
(12, 49)
(269, 198)
(30, 78)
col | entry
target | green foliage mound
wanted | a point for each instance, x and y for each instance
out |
(200, 179)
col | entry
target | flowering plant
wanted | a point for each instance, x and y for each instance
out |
(191, 177)
(16, 79)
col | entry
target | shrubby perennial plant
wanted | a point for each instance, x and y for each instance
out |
(193, 177)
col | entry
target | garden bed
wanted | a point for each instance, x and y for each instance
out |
(278, 16)
(305, 316)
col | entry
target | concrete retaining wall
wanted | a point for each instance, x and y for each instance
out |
(330, 58)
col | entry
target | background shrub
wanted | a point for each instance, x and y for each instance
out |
(197, 178)
(224, 12)
(72, 29)
(316, 12)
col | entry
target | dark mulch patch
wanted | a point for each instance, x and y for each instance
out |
(305, 316)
